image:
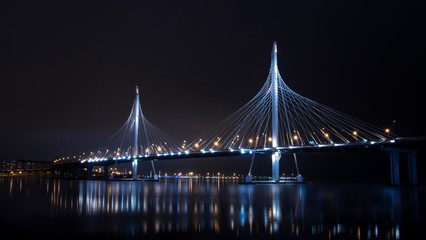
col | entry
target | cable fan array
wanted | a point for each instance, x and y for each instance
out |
(276, 117)
(301, 121)
(136, 138)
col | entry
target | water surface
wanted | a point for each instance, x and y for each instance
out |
(191, 209)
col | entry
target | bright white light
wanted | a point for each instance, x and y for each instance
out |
(179, 153)
(397, 232)
(186, 152)
(231, 150)
(212, 150)
(372, 142)
(242, 151)
(376, 231)
(392, 141)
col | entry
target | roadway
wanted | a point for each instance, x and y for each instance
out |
(409, 144)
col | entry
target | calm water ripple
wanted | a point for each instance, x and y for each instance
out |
(190, 209)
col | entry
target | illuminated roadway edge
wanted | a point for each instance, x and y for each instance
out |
(411, 144)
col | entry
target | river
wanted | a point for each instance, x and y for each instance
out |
(194, 209)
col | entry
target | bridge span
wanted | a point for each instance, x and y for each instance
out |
(397, 146)
(275, 121)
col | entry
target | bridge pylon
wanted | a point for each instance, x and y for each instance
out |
(276, 156)
(136, 136)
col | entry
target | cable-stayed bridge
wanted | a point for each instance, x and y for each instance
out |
(275, 121)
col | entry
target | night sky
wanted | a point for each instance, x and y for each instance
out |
(68, 68)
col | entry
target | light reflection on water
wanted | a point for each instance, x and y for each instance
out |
(209, 207)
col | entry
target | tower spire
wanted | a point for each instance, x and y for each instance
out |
(274, 68)
(274, 91)
(136, 124)
(136, 135)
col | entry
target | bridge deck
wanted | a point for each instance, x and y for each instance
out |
(410, 144)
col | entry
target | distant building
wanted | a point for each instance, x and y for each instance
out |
(7, 164)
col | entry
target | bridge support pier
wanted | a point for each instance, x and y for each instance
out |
(394, 167)
(153, 169)
(89, 172)
(106, 175)
(76, 172)
(135, 169)
(412, 168)
(276, 156)
(299, 176)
